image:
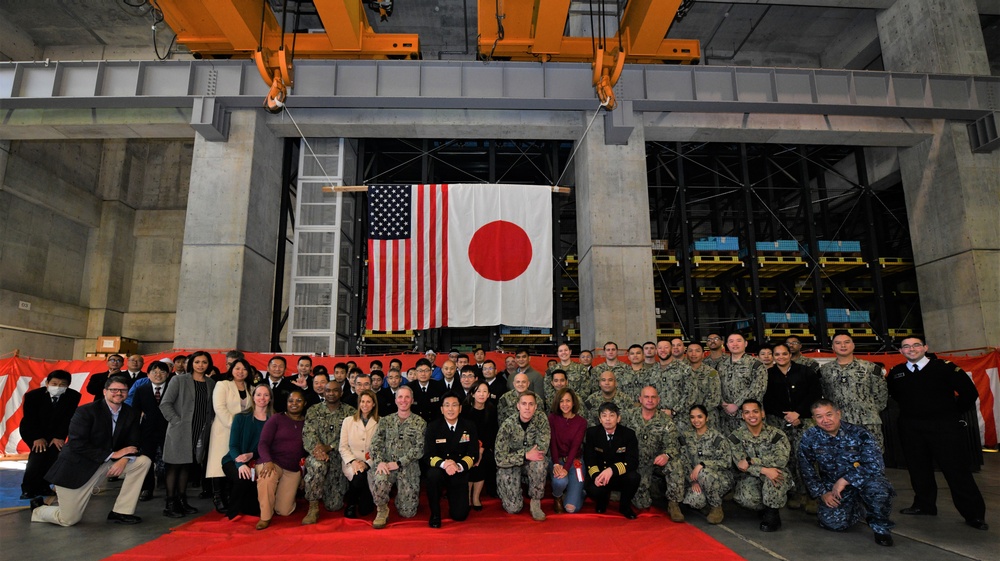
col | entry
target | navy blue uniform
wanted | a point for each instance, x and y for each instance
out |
(852, 454)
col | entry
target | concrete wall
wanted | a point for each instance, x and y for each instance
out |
(90, 239)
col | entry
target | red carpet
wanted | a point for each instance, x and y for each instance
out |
(486, 535)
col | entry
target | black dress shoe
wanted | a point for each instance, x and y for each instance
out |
(883, 539)
(145, 495)
(351, 512)
(601, 509)
(920, 511)
(28, 496)
(477, 508)
(173, 509)
(435, 522)
(123, 518)
(627, 512)
(36, 502)
(978, 524)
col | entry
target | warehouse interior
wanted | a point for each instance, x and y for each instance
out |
(183, 219)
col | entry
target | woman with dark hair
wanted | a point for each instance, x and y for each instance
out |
(566, 445)
(238, 464)
(281, 453)
(479, 409)
(708, 463)
(231, 397)
(187, 407)
(356, 434)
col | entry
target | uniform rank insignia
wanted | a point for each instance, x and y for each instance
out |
(601, 450)
(441, 441)
(435, 399)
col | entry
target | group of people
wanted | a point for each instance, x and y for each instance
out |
(677, 423)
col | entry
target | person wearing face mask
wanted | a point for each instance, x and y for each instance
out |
(44, 426)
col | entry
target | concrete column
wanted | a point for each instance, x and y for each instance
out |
(952, 195)
(230, 237)
(613, 240)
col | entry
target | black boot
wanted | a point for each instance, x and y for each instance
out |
(182, 503)
(772, 520)
(221, 505)
(173, 509)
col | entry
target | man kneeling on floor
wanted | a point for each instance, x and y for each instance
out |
(849, 474)
(760, 453)
(103, 442)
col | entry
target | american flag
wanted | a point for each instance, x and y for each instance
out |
(407, 257)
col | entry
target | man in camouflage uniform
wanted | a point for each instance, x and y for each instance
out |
(611, 363)
(716, 350)
(659, 458)
(521, 447)
(576, 374)
(507, 406)
(555, 381)
(842, 466)
(671, 377)
(608, 392)
(396, 450)
(703, 385)
(760, 453)
(742, 377)
(325, 479)
(795, 347)
(634, 376)
(856, 385)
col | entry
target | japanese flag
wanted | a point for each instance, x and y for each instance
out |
(499, 255)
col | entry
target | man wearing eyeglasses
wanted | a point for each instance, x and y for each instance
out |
(716, 351)
(932, 396)
(103, 442)
(96, 383)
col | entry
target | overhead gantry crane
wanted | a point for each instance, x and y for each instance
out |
(520, 30)
(250, 29)
(534, 30)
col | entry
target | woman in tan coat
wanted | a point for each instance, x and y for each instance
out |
(355, 440)
(230, 397)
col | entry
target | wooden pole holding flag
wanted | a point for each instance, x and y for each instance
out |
(364, 188)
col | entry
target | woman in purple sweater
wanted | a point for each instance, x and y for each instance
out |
(280, 454)
(568, 428)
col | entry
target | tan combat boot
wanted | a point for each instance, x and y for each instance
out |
(794, 501)
(811, 506)
(536, 510)
(674, 510)
(381, 517)
(715, 515)
(313, 513)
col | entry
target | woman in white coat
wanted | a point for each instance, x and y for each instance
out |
(355, 441)
(230, 397)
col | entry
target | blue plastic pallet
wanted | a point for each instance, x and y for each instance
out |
(778, 245)
(771, 317)
(841, 246)
(843, 315)
(725, 243)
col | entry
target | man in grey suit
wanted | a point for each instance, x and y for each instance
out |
(103, 442)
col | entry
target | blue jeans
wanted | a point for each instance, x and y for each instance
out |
(571, 486)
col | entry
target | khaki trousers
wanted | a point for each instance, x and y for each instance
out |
(276, 493)
(72, 502)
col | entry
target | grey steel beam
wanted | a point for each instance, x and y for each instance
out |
(475, 86)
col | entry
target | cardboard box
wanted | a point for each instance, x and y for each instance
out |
(120, 345)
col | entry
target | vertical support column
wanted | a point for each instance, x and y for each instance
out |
(616, 268)
(951, 193)
(110, 249)
(881, 323)
(684, 223)
(230, 238)
(748, 206)
(811, 240)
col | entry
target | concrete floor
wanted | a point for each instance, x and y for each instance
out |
(941, 538)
